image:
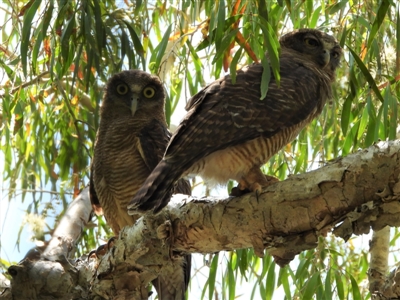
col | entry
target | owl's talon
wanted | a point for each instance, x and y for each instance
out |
(256, 187)
(237, 191)
(255, 181)
(257, 194)
(92, 254)
(111, 242)
(241, 189)
(271, 179)
(102, 249)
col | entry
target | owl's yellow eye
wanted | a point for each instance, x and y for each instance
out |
(122, 88)
(311, 42)
(149, 92)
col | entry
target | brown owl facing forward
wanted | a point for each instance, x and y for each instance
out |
(229, 133)
(130, 142)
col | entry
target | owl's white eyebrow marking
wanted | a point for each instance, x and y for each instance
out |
(136, 88)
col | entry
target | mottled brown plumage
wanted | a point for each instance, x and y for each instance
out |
(229, 133)
(130, 142)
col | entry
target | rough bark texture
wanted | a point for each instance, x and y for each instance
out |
(379, 261)
(348, 196)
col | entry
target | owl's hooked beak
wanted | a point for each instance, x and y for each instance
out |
(326, 57)
(134, 103)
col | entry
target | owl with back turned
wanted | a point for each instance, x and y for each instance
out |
(229, 132)
(131, 140)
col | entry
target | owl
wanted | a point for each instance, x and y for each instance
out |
(229, 132)
(131, 140)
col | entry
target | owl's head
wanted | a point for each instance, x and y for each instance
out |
(133, 93)
(314, 46)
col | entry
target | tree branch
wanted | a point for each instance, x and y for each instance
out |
(51, 275)
(347, 196)
(379, 262)
(35, 80)
(83, 98)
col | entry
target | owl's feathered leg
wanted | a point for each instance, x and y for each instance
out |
(253, 181)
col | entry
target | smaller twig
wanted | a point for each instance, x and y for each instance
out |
(33, 81)
(7, 52)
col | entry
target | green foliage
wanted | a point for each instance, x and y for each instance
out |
(331, 271)
(57, 55)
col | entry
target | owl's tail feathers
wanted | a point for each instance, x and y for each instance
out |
(156, 191)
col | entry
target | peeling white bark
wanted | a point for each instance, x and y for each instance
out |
(348, 196)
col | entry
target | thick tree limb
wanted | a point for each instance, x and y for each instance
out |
(68, 231)
(51, 275)
(348, 196)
